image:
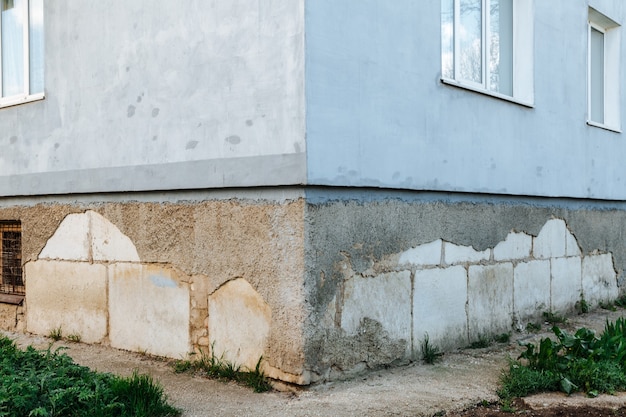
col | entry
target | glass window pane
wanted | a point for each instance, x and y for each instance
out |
(500, 63)
(35, 16)
(470, 42)
(447, 38)
(12, 38)
(596, 78)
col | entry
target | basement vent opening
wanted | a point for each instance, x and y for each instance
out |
(11, 282)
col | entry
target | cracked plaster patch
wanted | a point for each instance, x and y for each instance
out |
(89, 237)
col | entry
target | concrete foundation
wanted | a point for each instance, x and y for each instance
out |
(320, 288)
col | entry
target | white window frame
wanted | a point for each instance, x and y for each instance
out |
(523, 56)
(25, 96)
(611, 77)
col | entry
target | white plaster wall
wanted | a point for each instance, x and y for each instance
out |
(217, 87)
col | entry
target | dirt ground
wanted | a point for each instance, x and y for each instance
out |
(452, 387)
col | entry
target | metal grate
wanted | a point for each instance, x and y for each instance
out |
(11, 281)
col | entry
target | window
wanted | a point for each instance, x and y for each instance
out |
(603, 72)
(21, 51)
(486, 46)
(11, 258)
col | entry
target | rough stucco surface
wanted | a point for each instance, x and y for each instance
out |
(213, 242)
(357, 235)
(303, 257)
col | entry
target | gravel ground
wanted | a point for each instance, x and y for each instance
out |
(460, 380)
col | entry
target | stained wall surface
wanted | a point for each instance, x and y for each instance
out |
(145, 275)
(378, 114)
(385, 268)
(161, 95)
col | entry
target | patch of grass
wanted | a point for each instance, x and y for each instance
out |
(56, 334)
(430, 353)
(553, 318)
(49, 383)
(582, 306)
(607, 306)
(506, 406)
(533, 327)
(503, 338)
(481, 343)
(217, 367)
(573, 362)
(621, 302)
(74, 337)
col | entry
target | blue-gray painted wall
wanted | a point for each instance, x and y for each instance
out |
(378, 115)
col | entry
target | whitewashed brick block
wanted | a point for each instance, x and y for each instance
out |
(455, 254)
(599, 280)
(490, 299)
(108, 243)
(69, 295)
(515, 246)
(148, 310)
(566, 285)
(531, 289)
(89, 237)
(571, 245)
(550, 242)
(239, 323)
(439, 299)
(385, 298)
(427, 255)
(70, 241)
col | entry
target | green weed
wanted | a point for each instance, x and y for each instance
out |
(573, 362)
(607, 306)
(430, 353)
(217, 367)
(49, 383)
(56, 334)
(74, 338)
(582, 305)
(503, 338)
(533, 327)
(481, 343)
(621, 302)
(553, 318)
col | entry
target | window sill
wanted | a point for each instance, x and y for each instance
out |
(603, 126)
(16, 100)
(15, 299)
(459, 84)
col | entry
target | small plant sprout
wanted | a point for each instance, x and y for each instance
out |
(533, 327)
(74, 338)
(503, 338)
(607, 306)
(430, 353)
(553, 318)
(214, 366)
(582, 305)
(481, 343)
(621, 302)
(56, 334)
